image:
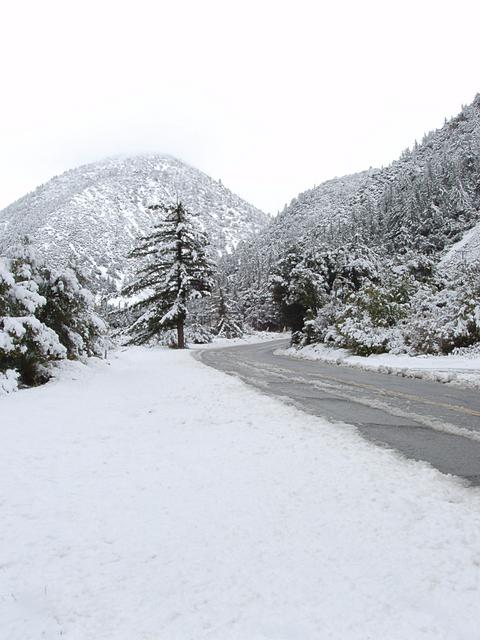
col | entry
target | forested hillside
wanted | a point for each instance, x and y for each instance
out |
(361, 261)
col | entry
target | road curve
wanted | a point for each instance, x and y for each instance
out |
(423, 420)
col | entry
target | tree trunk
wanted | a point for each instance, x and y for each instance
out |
(180, 335)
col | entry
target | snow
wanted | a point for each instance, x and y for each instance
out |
(8, 380)
(463, 370)
(154, 498)
(467, 250)
(41, 338)
(255, 337)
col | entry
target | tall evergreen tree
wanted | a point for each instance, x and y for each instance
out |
(174, 269)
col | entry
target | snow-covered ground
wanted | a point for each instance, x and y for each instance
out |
(466, 250)
(155, 498)
(463, 370)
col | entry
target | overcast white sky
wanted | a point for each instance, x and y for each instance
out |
(272, 97)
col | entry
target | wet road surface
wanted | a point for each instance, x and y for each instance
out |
(423, 420)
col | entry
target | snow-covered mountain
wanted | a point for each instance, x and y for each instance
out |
(438, 178)
(425, 201)
(325, 204)
(417, 214)
(91, 215)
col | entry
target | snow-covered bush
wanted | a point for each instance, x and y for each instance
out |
(322, 327)
(26, 343)
(198, 334)
(194, 334)
(446, 318)
(8, 381)
(167, 338)
(7, 283)
(369, 322)
(402, 314)
(44, 317)
(364, 338)
(70, 311)
(27, 346)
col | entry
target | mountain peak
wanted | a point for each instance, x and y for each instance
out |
(92, 214)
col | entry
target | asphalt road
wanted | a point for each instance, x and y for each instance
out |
(423, 420)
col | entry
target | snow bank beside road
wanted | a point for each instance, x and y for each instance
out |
(158, 498)
(248, 338)
(463, 370)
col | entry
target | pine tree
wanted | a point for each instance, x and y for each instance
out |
(227, 325)
(175, 268)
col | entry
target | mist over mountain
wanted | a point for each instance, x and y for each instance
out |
(92, 215)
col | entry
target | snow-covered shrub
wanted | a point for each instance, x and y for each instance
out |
(27, 346)
(26, 343)
(198, 334)
(473, 351)
(8, 381)
(446, 318)
(322, 327)
(44, 317)
(19, 279)
(167, 338)
(369, 322)
(364, 338)
(70, 311)
(308, 331)
(7, 283)
(194, 334)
